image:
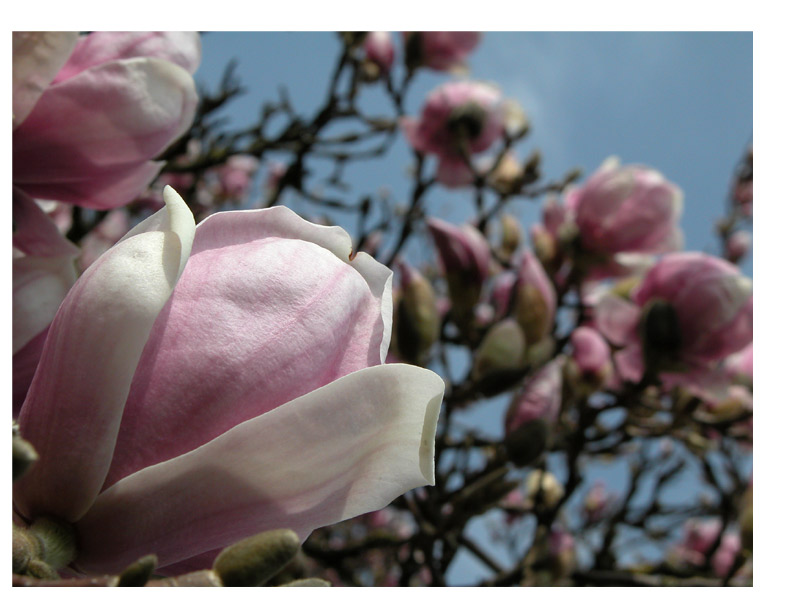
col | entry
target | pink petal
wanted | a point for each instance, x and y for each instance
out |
(35, 233)
(25, 361)
(36, 58)
(617, 319)
(179, 47)
(90, 138)
(39, 286)
(75, 403)
(453, 172)
(342, 450)
(270, 307)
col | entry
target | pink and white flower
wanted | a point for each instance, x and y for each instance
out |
(379, 49)
(626, 209)
(91, 112)
(199, 385)
(691, 308)
(458, 119)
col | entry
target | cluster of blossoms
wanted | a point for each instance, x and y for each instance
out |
(188, 373)
(196, 384)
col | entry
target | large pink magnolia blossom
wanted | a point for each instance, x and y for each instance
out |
(91, 112)
(199, 385)
(626, 209)
(691, 308)
(442, 50)
(459, 118)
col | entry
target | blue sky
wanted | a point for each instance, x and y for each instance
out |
(679, 102)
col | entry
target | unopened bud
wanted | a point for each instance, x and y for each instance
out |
(57, 540)
(417, 323)
(737, 246)
(204, 578)
(25, 548)
(39, 569)
(138, 574)
(515, 121)
(507, 177)
(511, 235)
(254, 560)
(545, 246)
(543, 488)
(535, 299)
(502, 349)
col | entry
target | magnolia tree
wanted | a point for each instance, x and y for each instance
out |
(212, 389)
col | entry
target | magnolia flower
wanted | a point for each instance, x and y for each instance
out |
(737, 245)
(698, 537)
(199, 385)
(689, 311)
(459, 119)
(236, 175)
(626, 209)
(91, 112)
(379, 49)
(440, 50)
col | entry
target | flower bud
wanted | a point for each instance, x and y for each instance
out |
(416, 327)
(543, 489)
(138, 574)
(511, 235)
(465, 257)
(379, 50)
(737, 245)
(535, 299)
(596, 502)
(254, 560)
(502, 350)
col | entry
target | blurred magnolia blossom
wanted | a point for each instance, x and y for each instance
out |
(202, 384)
(597, 502)
(459, 119)
(690, 311)
(439, 50)
(534, 299)
(738, 245)
(465, 257)
(698, 538)
(379, 49)
(91, 112)
(235, 176)
(613, 223)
